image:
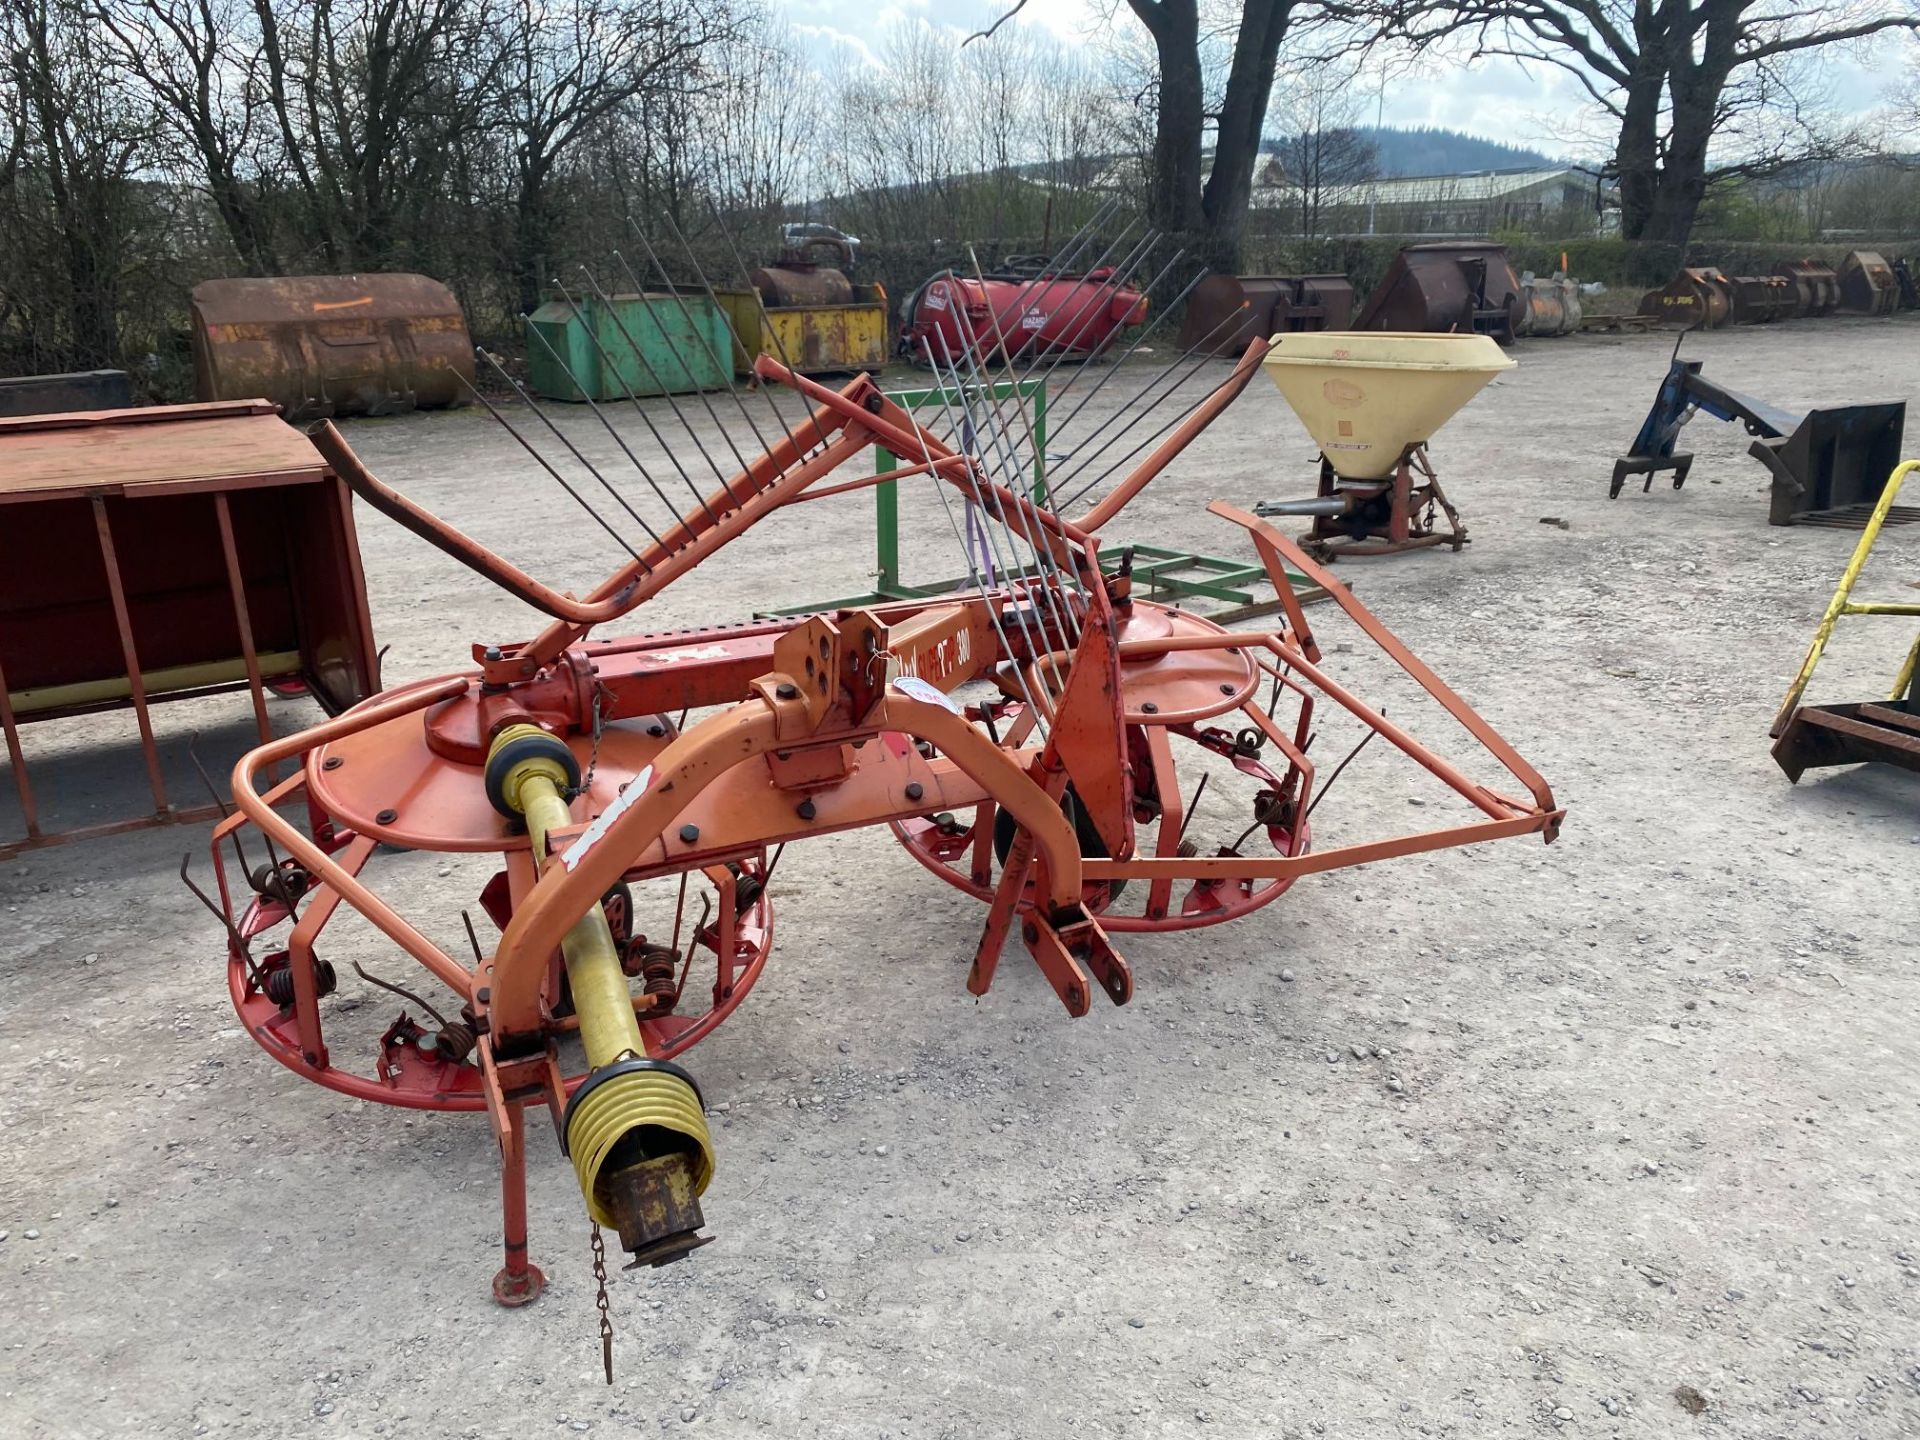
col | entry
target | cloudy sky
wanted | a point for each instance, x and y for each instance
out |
(1539, 106)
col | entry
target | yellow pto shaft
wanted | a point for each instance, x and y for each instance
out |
(635, 1129)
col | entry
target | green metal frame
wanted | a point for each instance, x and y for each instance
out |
(1165, 575)
(886, 497)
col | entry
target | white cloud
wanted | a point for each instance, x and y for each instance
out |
(1539, 106)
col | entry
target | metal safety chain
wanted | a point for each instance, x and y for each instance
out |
(606, 1320)
(600, 692)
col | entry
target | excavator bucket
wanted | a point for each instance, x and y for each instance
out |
(326, 345)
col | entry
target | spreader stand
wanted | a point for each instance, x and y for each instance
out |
(1375, 517)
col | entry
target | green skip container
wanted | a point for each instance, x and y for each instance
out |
(654, 344)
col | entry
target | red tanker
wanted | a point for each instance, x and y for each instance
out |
(1019, 314)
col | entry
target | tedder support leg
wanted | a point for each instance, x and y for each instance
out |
(519, 1282)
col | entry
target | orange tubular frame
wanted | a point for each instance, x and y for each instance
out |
(693, 762)
(850, 710)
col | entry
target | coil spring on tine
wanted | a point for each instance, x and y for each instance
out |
(659, 966)
(279, 982)
(455, 1042)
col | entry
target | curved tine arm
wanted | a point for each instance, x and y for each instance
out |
(321, 865)
(1224, 395)
(443, 537)
(643, 816)
(1003, 778)
(1269, 537)
(1272, 560)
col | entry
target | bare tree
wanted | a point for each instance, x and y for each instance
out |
(368, 98)
(762, 119)
(566, 68)
(78, 142)
(200, 61)
(1321, 149)
(1673, 78)
(1178, 197)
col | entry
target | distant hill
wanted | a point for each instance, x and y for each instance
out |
(1433, 151)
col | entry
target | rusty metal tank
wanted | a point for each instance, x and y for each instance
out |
(327, 345)
(1459, 286)
(796, 278)
(1225, 311)
(1698, 298)
(1816, 287)
(1867, 284)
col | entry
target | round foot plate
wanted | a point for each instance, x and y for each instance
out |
(513, 1291)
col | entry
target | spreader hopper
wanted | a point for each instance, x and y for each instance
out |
(1366, 399)
(1371, 401)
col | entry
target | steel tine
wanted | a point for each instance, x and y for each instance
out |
(543, 462)
(592, 405)
(1014, 470)
(1017, 385)
(943, 486)
(1102, 290)
(526, 398)
(666, 391)
(1061, 260)
(1056, 602)
(726, 370)
(641, 356)
(989, 527)
(1182, 414)
(747, 280)
(726, 367)
(1083, 315)
(1021, 383)
(1114, 365)
(1073, 379)
(233, 931)
(1038, 711)
(1089, 310)
(1099, 259)
(1139, 413)
(993, 313)
(766, 321)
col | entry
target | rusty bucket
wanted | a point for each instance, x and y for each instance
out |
(326, 345)
(1552, 305)
(1816, 287)
(1867, 284)
(1451, 286)
(1763, 299)
(1265, 305)
(1698, 298)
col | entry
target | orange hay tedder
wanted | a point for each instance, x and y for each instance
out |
(1019, 736)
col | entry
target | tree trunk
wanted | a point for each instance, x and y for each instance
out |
(1173, 190)
(532, 240)
(1243, 114)
(1660, 195)
(1637, 153)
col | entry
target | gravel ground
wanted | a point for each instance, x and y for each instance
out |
(1613, 1137)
